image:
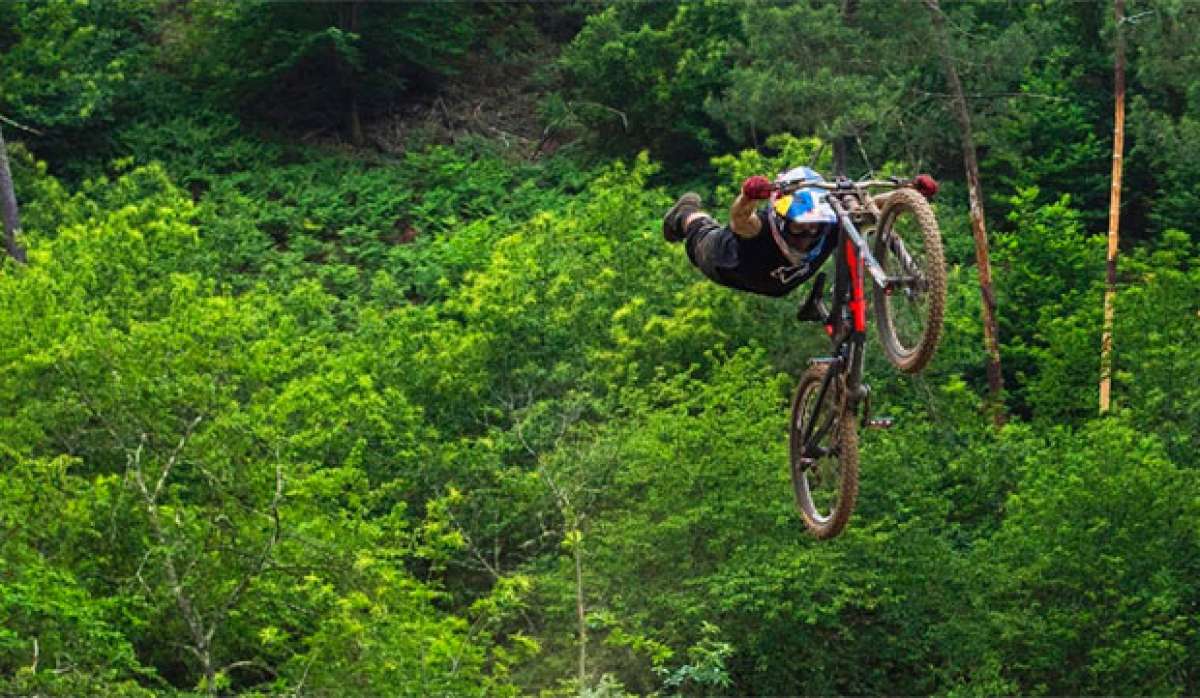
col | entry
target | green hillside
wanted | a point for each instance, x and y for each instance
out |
(348, 358)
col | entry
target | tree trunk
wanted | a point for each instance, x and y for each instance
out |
(580, 611)
(839, 156)
(841, 144)
(8, 207)
(348, 21)
(978, 227)
(1114, 210)
(849, 10)
(356, 130)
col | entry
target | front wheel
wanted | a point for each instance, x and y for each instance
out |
(908, 245)
(823, 448)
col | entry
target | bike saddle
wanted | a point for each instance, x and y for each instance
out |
(814, 309)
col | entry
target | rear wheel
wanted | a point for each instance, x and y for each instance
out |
(908, 245)
(825, 468)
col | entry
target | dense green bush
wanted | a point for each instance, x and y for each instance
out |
(206, 437)
(640, 73)
(273, 210)
(70, 64)
(70, 69)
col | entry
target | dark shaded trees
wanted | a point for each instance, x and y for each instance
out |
(310, 66)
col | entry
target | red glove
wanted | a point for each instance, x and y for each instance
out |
(757, 187)
(927, 185)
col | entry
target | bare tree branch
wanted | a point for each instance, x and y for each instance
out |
(183, 601)
(241, 664)
(979, 229)
(263, 558)
(304, 676)
(18, 125)
(166, 471)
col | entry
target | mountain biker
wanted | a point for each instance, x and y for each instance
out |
(769, 250)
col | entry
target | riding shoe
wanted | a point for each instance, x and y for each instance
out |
(676, 218)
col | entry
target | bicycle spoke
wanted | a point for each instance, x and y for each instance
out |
(822, 472)
(907, 264)
(823, 431)
(907, 310)
(824, 465)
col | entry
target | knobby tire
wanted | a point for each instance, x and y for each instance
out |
(836, 429)
(912, 356)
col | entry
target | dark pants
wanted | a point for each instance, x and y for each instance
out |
(711, 247)
(747, 264)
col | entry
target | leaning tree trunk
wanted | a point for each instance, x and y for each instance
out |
(1114, 210)
(348, 21)
(979, 229)
(8, 207)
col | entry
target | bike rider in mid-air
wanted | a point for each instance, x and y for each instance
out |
(773, 249)
(769, 250)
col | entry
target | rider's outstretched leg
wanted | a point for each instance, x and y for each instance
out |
(676, 220)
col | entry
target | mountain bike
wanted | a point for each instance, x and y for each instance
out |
(901, 256)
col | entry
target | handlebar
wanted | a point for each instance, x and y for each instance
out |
(787, 187)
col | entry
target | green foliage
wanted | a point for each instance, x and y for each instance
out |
(1050, 142)
(58, 639)
(1099, 554)
(1161, 123)
(707, 666)
(300, 64)
(279, 417)
(388, 639)
(1155, 345)
(281, 211)
(1165, 145)
(804, 68)
(640, 73)
(68, 64)
(1049, 269)
(227, 437)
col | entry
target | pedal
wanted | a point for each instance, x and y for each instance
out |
(880, 423)
(813, 309)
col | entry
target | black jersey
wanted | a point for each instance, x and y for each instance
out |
(751, 264)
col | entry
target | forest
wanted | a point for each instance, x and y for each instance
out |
(341, 353)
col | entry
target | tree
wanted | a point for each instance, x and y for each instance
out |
(639, 74)
(978, 225)
(1098, 560)
(815, 82)
(71, 68)
(309, 64)
(8, 206)
(1114, 206)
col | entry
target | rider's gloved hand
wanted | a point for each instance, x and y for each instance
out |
(925, 184)
(756, 187)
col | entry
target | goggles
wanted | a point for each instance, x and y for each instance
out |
(804, 213)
